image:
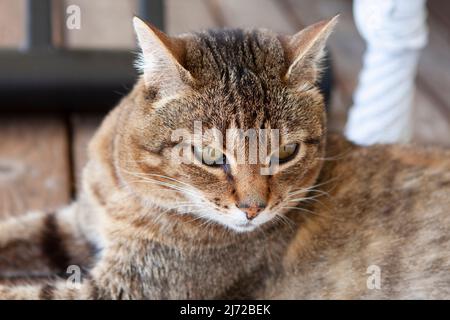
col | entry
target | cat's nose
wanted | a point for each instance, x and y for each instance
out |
(252, 211)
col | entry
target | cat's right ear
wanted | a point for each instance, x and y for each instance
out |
(304, 52)
(162, 58)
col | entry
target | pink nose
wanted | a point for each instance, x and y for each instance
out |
(252, 211)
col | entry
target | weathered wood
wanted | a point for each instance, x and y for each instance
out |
(83, 128)
(430, 127)
(12, 31)
(34, 166)
(250, 14)
(434, 66)
(184, 16)
(104, 24)
(439, 10)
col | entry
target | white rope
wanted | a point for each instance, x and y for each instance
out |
(395, 31)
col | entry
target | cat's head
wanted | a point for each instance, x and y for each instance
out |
(194, 140)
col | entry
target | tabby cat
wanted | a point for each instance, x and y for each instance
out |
(332, 220)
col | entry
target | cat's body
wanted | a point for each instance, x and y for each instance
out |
(379, 209)
(390, 216)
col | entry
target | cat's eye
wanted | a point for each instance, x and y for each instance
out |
(286, 153)
(209, 155)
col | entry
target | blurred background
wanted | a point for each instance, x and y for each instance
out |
(43, 133)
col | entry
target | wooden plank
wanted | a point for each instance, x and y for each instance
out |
(434, 65)
(103, 24)
(440, 11)
(83, 128)
(432, 119)
(58, 23)
(430, 127)
(12, 15)
(251, 14)
(34, 166)
(185, 16)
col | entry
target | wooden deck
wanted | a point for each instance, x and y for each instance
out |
(41, 156)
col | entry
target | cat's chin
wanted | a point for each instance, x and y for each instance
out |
(235, 220)
(245, 227)
(242, 226)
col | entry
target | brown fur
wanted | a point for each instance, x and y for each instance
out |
(381, 205)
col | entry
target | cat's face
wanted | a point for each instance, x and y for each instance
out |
(228, 126)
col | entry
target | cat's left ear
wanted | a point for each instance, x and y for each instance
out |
(162, 58)
(304, 51)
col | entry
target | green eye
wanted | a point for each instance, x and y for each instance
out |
(209, 155)
(287, 152)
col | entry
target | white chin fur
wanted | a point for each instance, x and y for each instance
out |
(236, 220)
(242, 229)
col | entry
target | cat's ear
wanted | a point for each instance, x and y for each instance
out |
(162, 58)
(304, 51)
